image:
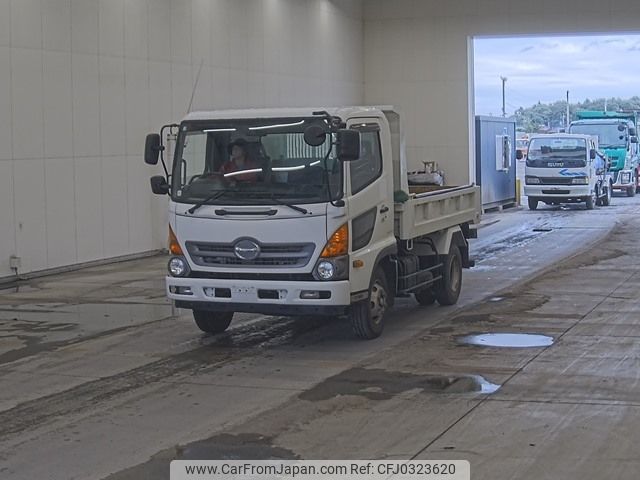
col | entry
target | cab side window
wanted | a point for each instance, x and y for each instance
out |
(369, 166)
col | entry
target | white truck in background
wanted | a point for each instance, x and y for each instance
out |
(566, 168)
(317, 218)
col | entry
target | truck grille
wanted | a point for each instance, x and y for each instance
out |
(555, 180)
(270, 256)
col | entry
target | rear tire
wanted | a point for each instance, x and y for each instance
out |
(448, 288)
(533, 203)
(367, 317)
(212, 322)
(606, 199)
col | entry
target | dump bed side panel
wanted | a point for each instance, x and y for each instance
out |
(435, 210)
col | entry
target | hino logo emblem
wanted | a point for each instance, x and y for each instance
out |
(246, 250)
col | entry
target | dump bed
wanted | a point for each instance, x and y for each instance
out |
(433, 208)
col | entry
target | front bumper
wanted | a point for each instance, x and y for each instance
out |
(623, 179)
(563, 192)
(259, 296)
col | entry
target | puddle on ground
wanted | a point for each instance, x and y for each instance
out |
(378, 384)
(496, 299)
(508, 340)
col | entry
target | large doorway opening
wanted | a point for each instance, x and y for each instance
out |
(538, 84)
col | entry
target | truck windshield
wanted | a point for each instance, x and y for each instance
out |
(555, 152)
(253, 162)
(608, 134)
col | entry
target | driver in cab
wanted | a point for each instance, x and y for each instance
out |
(240, 167)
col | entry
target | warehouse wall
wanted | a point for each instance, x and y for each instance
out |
(83, 81)
(418, 56)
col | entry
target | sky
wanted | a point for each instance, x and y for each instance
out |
(544, 68)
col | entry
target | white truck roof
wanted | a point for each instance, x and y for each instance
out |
(342, 112)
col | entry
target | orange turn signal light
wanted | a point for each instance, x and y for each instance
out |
(174, 246)
(338, 244)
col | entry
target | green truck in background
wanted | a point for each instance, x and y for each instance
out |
(617, 136)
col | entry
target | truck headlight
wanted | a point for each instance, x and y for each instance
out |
(580, 181)
(178, 267)
(336, 268)
(531, 180)
(626, 177)
(326, 270)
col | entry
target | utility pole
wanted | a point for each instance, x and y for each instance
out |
(567, 110)
(504, 111)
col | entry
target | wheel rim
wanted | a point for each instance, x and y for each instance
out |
(377, 303)
(455, 276)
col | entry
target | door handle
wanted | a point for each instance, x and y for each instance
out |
(384, 209)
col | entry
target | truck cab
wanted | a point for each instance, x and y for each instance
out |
(617, 137)
(566, 168)
(292, 212)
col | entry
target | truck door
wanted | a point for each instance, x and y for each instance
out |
(370, 205)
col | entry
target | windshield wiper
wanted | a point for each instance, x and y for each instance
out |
(279, 201)
(210, 198)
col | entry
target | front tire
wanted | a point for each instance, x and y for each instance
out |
(447, 290)
(367, 317)
(212, 322)
(631, 191)
(590, 202)
(533, 203)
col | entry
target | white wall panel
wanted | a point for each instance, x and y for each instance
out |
(56, 25)
(135, 29)
(26, 92)
(111, 27)
(29, 204)
(115, 221)
(57, 105)
(26, 20)
(6, 152)
(136, 105)
(60, 212)
(8, 231)
(89, 226)
(84, 26)
(5, 23)
(83, 81)
(181, 31)
(159, 12)
(141, 237)
(159, 85)
(86, 105)
(112, 100)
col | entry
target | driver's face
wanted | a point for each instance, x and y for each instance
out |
(237, 152)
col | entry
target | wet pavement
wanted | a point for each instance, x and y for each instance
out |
(533, 375)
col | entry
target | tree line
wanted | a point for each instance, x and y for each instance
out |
(551, 116)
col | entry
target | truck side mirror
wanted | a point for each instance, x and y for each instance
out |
(159, 185)
(592, 154)
(348, 144)
(632, 131)
(152, 149)
(633, 139)
(519, 155)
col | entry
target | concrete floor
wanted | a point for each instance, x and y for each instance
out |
(101, 379)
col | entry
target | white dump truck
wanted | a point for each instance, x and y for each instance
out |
(306, 212)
